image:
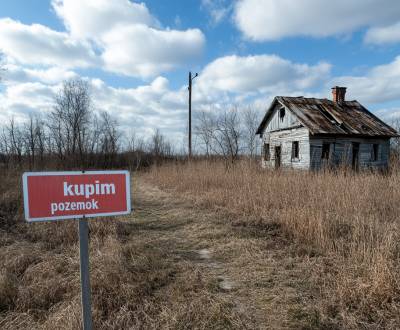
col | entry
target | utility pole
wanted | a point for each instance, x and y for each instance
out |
(190, 111)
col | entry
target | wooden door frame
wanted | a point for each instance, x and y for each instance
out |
(355, 158)
(278, 156)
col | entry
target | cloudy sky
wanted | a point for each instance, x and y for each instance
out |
(137, 55)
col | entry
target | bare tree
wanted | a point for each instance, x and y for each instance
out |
(16, 141)
(227, 135)
(34, 137)
(109, 138)
(69, 121)
(395, 142)
(250, 125)
(205, 130)
(30, 139)
(5, 149)
(40, 138)
(136, 149)
(159, 146)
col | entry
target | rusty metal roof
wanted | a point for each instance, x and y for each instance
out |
(323, 116)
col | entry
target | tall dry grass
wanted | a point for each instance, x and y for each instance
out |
(135, 284)
(350, 218)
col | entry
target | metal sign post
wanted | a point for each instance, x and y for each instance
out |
(85, 274)
(53, 196)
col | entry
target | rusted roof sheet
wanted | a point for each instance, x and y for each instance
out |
(322, 116)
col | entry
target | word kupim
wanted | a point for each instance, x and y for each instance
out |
(88, 190)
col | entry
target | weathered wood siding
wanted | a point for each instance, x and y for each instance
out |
(341, 152)
(277, 123)
(284, 139)
(283, 131)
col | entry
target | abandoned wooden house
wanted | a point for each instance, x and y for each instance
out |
(309, 133)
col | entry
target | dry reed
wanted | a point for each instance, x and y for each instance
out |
(351, 218)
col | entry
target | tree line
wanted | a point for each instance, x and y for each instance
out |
(74, 135)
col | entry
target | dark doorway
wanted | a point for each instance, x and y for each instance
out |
(277, 156)
(355, 157)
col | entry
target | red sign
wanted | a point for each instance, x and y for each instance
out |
(66, 195)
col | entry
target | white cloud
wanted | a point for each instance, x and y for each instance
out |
(262, 20)
(217, 9)
(145, 108)
(131, 40)
(22, 99)
(266, 74)
(92, 18)
(379, 84)
(119, 36)
(154, 104)
(383, 35)
(53, 75)
(37, 44)
(390, 115)
(139, 50)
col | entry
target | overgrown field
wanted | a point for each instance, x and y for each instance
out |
(351, 219)
(144, 270)
(136, 283)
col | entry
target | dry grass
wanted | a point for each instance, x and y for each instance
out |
(135, 282)
(351, 219)
(340, 272)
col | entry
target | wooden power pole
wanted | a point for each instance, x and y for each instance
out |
(190, 111)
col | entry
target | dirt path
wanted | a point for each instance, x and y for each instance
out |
(255, 269)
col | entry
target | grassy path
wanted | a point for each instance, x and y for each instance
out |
(253, 269)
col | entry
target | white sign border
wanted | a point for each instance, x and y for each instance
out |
(65, 217)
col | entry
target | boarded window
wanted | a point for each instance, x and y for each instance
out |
(375, 152)
(267, 154)
(295, 150)
(282, 113)
(325, 150)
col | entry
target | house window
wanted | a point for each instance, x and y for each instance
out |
(295, 150)
(375, 152)
(281, 113)
(325, 151)
(267, 154)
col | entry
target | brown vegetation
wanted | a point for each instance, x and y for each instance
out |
(137, 283)
(350, 219)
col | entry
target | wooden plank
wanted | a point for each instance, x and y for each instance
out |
(342, 151)
(284, 140)
(277, 123)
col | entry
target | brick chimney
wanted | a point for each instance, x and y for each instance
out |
(338, 94)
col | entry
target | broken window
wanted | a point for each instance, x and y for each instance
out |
(267, 154)
(325, 151)
(375, 152)
(295, 150)
(281, 113)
